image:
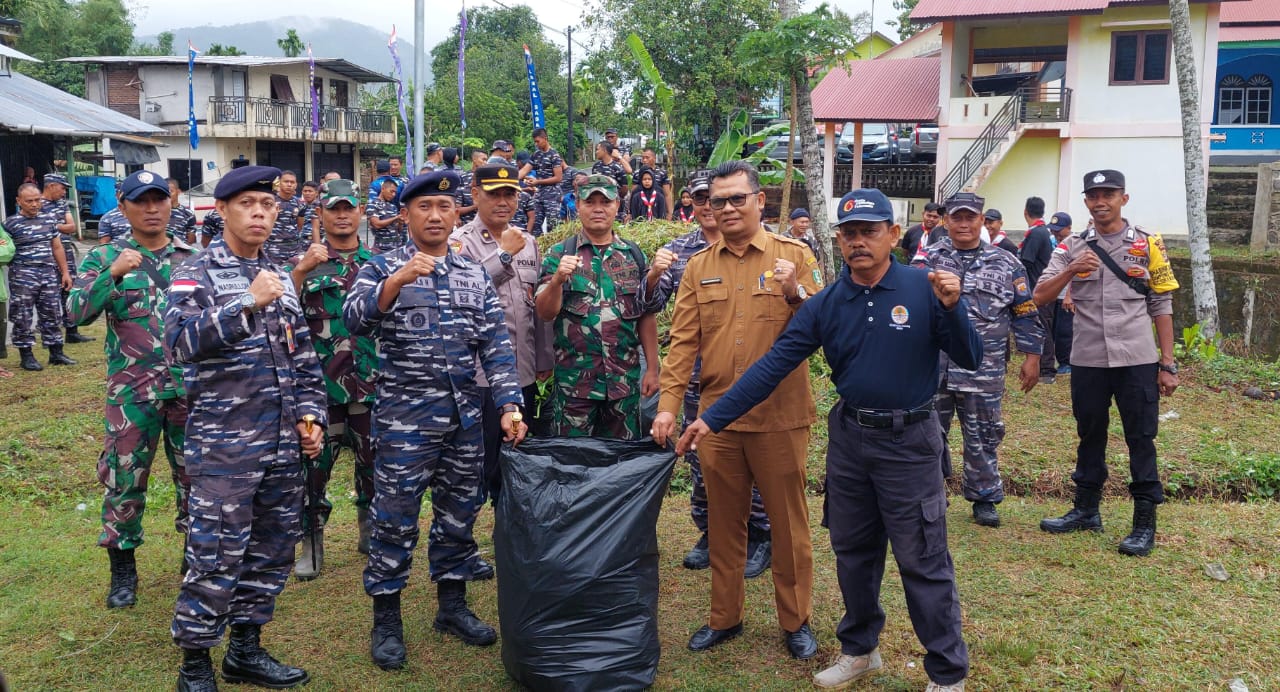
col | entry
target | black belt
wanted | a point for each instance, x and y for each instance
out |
(883, 418)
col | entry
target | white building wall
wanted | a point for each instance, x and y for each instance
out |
(165, 87)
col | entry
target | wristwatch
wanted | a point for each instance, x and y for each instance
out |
(801, 295)
(246, 302)
(514, 410)
(504, 257)
(1171, 368)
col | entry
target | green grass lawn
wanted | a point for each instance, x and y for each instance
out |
(1041, 611)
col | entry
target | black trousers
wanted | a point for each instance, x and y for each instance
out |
(1062, 323)
(884, 486)
(1136, 392)
(1047, 355)
(491, 421)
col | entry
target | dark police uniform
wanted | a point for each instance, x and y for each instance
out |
(884, 456)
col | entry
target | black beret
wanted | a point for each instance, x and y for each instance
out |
(247, 179)
(441, 182)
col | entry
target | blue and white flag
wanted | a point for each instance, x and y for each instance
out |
(404, 118)
(535, 96)
(192, 132)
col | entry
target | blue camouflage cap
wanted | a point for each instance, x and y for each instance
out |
(136, 184)
(441, 182)
(55, 178)
(247, 179)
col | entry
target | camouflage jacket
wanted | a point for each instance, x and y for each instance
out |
(181, 222)
(250, 377)
(391, 237)
(998, 297)
(543, 166)
(286, 240)
(211, 226)
(520, 219)
(597, 339)
(113, 224)
(33, 239)
(430, 340)
(465, 199)
(134, 306)
(348, 362)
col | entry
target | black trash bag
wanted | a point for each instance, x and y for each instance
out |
(575, 537)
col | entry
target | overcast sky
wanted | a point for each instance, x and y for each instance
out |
(154, 16)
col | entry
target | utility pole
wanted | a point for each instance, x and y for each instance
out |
(419, 76)
(568, 147)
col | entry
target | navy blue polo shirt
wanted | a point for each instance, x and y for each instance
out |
(881, 341)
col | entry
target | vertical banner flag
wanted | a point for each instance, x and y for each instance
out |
(409, 164)
(462, 66)
(535, 96)
(315, 94)
(192, 132)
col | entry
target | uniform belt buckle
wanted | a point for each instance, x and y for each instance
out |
(872, 419)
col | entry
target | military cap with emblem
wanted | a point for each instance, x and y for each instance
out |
(1104, 178)
(965, 200)
(603, 184)
(131, 188)
(435, 183)
(700, 181)
(247, 179)
(492, 177)
(339, 190)
(55, 178)
(1060, 221)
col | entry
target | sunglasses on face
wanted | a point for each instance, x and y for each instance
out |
(737, 201)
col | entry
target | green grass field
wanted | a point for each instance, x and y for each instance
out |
(1041, 612)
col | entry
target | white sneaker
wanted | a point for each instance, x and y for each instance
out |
(953, 687)
(848, 668)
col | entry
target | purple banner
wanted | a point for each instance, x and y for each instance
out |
(315, 95)
(409, 164)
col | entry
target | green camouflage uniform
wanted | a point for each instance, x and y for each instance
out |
(145, 396)
(597, 340)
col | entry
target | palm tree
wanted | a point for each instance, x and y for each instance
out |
(291, 44)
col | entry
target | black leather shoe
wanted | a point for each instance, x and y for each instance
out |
(247, 661)
(124, 579)
(387, 638)
(196, 673)
(699, 556)
(483, 571)
(759, 558)
(706, 638)
(75, 337)
(801, 643)
(454, 617)
(985, 514)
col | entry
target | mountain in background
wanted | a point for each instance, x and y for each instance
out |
(361, 44)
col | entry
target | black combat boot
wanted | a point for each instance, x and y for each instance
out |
(247, 661)
(386, 641)
(985, 514)
(483, 571)
(1083, 516)
(454, 617)
(699, 556)
(365, 524)
(57, 357)
(196, 673)
(29, 361)
(75, 337)
(124, 578)
(1142, 539)
(759, 553)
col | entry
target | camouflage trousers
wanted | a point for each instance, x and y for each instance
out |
(758, 523)
(408, 462)
(618, 419)
(35, 291)
(132, 441)
(244, 528)
(547, 207)
(982, 430)
(349, 426)
(72, 262)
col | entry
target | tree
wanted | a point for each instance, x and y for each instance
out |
(291, 44)
(54, 29)
(162, 46)
(903, 23)
(1203, 288)
(219, 49)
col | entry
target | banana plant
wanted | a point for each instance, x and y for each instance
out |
(662, 93)
(735, 137)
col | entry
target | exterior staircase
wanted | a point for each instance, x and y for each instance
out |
(1229, 203)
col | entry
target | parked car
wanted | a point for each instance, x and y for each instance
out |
(924, 143)
(879, 144)
(776, 148)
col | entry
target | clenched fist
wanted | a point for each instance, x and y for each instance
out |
(568, 265)
(421, 264)
(266, 287)
(946, 286)
(315, 256)
(125, 263)
(512, 241)
(1085, 264)
(662, 261)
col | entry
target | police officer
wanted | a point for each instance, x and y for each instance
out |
(434, 313)
(287, 239)
(994, 285)
(510, 256)
(322, 276)
(1112, 353)
(547, 169)
(884, 471)
(54, 205)
(663, 282)
(127, 281)
(37, 274)
(257, 399)
(383, 212)
(592, 289)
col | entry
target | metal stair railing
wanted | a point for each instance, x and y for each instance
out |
(995, 132)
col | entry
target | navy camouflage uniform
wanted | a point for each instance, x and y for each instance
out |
(391, 237)
(465, 199)
(546, 198)
(520, 219)
(427, 411)
(34, 279)
(286, 240)
(998, 296)
(182, 223)
(58, 210)
(211, 226)
(668, 285)
(250, 379)
(113, 225)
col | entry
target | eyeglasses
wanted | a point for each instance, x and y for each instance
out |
(700, 198)
(737, 201)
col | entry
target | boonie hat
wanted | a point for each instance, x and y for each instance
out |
(1060, 221)
(800, 212)
(1106, 177)
(246, 179)
(133, 186)
(340, 190)
(965, 200)
(433, 184)
(864, 204)
(599, 183)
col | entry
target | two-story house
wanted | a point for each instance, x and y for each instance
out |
(1090, 84)
(248, 108)
(1246, 121)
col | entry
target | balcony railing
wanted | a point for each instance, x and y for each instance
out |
(270, 113)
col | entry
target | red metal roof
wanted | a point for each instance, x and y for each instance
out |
(928, 11)
(1251, 12)
(879, 91)
(1229, 34)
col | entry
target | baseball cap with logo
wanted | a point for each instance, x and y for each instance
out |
(1104, 178)
(339, 190)
(1059, 221)
(599, 183)
(138, 183)
(864, 204)
(965, 200)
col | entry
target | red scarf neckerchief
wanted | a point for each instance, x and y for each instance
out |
(686, 216)
(648, 203)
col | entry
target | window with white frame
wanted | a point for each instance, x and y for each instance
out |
(1244, 102)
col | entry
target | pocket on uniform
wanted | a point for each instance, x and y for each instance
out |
(713, 303)
(933, 516)
(769, 305)
(204, 538)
